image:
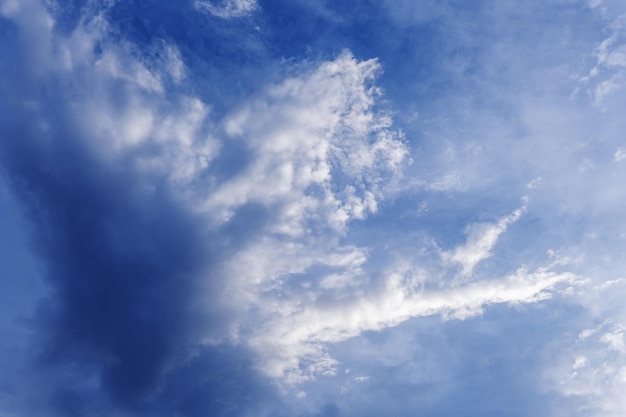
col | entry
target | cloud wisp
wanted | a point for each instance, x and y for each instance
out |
(228, 9)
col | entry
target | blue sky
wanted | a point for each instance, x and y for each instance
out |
(330, 208)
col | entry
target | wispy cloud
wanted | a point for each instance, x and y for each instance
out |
(292, 346)
(481, 238)
(227, 9)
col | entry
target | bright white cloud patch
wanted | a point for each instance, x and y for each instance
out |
(320, 151)
(292, 342)
(481, 238)
(321, 154)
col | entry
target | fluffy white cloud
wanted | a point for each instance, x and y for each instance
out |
(320, 156)
(320, 151)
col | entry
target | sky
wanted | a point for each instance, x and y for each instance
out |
(243, 208)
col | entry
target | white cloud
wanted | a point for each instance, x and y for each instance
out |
(594, 369)
(227, 9)
(321, 154)
(118, 127)
(320, 157)
(481, 238)
(292, 344)
(607, 75)
(320, 151)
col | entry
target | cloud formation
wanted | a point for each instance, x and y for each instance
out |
(293, 345)
(481, 238)
(240, 208)
(227, 9)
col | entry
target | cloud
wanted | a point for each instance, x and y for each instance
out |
(116, 171)
(228, 9)
(593, 369)
(481, 238)
(310, 134)
(607, 74)
(316, 155)
(293, 345)
(535, 132)
(221, 210)
(95, 162)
